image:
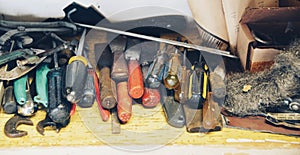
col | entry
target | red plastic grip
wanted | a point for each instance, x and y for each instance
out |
(151, 97)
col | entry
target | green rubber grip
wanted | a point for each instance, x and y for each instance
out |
(42, 85)
(20, 89)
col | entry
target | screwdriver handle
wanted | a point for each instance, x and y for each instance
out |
(42, 85)
(119, 70)
(135, 80)
(211, 113)
(124, 106)
(20, 89)
(76, 75)
(88, 97)
(173, 74)
(108, 100)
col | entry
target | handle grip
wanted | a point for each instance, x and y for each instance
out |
(20, 89)
(108, 100)
(135, 80)
(124, 106)
(42, 85)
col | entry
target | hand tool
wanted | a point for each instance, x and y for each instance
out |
(26, 65)
(198, 87)
(9, 103)
(41, 84)
(151, 97)
(105, 62)
(156, 70)
(58, 111)
(211, 115)
(103, 112)
(173, 72)
(217, 83)
(26, 106)
(76, 73)
(184, 83)
(173, 110)
(162, 40)
(10, 128)
(119, 69)
(88, 96)
(135, 79)
(124, 105)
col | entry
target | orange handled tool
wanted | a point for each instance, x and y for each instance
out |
(135, 79)
(124, 106)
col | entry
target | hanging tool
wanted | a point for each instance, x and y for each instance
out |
(88, 96)
(157, 68)
(105, 114)
(58, 111)
(212, 120)
(173, 72)
(105, 62)
(135, 79)
(9, 103)
(26, 106)
(182, 93)
(124, 105)
(162, 40)
(41, 83)
(151, 96)
(76, 73)
(198, 87)
(10, 128)
(173, 110)
(29, 63)
(119, 69)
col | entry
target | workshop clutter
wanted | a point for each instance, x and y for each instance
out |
(44, 67)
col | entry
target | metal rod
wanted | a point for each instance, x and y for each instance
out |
(162, 40)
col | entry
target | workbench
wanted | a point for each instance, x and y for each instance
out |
(146, 132)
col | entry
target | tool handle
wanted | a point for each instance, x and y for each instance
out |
(105, 114)
(88, 97)
(108, 100)
(151, 97)
(42, 85)
(135, 80)
(173, 74)
(156, 70)
(211, 113)
(58, 108)
(20, 89)
(9, 104)
(124, 106)
(76, 75)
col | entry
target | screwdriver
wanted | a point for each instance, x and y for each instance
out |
(76, 73)
(211, 114)
(105, 62)
(135, 79)
(156, 70)
(198, 87)
(184, 84)
(173, 73)
(151, 96)
(88, 96)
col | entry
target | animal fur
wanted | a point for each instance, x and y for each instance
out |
(269, 87)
